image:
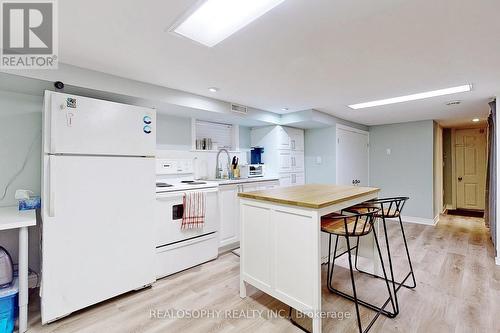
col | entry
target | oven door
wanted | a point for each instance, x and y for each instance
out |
(168, 217)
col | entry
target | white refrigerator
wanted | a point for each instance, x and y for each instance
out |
(98, 193)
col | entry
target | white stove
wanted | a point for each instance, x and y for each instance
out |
(178, 249)
(177, 175)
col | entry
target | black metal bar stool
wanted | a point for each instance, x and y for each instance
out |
(388, 208)
(348, 224)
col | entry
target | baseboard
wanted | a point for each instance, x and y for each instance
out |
(420, 220)
(228, 247)
(497, 261)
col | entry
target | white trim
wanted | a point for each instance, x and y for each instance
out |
(497, 261)
(337, 159)
(453, 172)
(418, 220)
(497, 138)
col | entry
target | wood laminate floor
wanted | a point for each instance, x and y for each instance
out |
(458, 290)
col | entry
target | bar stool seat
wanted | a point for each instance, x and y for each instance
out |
(334, 224)
(387, 212)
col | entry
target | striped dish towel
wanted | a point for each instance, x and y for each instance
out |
(194, 210)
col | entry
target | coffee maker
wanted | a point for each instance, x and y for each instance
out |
(256, 155)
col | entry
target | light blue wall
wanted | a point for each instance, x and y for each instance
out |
(320, 143)
(173, 133)
(408, 170)
(20, 142)
(245, 137)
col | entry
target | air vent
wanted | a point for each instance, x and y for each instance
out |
(239, 108)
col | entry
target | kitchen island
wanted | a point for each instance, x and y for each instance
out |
(281, 252)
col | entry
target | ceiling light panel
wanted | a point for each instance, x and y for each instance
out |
(212, 21)
(414, 97)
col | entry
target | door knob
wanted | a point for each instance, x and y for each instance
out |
(459, 179)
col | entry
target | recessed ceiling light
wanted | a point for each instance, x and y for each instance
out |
(414, 97)
(212, 21)
(476, 120)
(213, 89)
(284, 109)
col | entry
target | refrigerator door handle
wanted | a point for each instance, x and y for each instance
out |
(52, 130)
(51, 186)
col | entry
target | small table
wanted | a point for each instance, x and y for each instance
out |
(12, 218)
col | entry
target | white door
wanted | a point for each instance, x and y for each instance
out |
(82, 125)
(352, 156)
(229, 214)
(97, 230)
(470, 169)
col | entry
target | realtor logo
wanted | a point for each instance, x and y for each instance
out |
(29, 38)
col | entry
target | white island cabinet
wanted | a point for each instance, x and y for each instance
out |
(280, 241)
(229, 209)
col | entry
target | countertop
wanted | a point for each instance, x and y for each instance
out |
(12, 218)
(244, 180)
(311, 196)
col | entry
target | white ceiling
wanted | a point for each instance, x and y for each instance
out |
(303, 54)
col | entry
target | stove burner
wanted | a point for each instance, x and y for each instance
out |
(163, 185)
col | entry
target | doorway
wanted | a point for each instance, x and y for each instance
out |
(465, 169)
(352, 156)
(470, 168)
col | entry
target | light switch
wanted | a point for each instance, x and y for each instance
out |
(318, 160)
(388, 151)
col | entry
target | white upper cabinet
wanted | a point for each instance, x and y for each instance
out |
(296, 138)
(283, 138)
(283, 149)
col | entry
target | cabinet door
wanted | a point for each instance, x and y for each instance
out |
(297, 161)
(296, 138)
(299, 140)
(297, 178)
(249, 187)
(300, 178)
(283, 138)
(285, 180)
(260, 186)
(229, 215)
(285, 161)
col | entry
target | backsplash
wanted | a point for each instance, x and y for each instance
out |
(204, 162)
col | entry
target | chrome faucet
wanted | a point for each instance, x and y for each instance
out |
(218, 172)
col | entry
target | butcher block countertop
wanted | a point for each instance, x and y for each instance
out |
(311, 196)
